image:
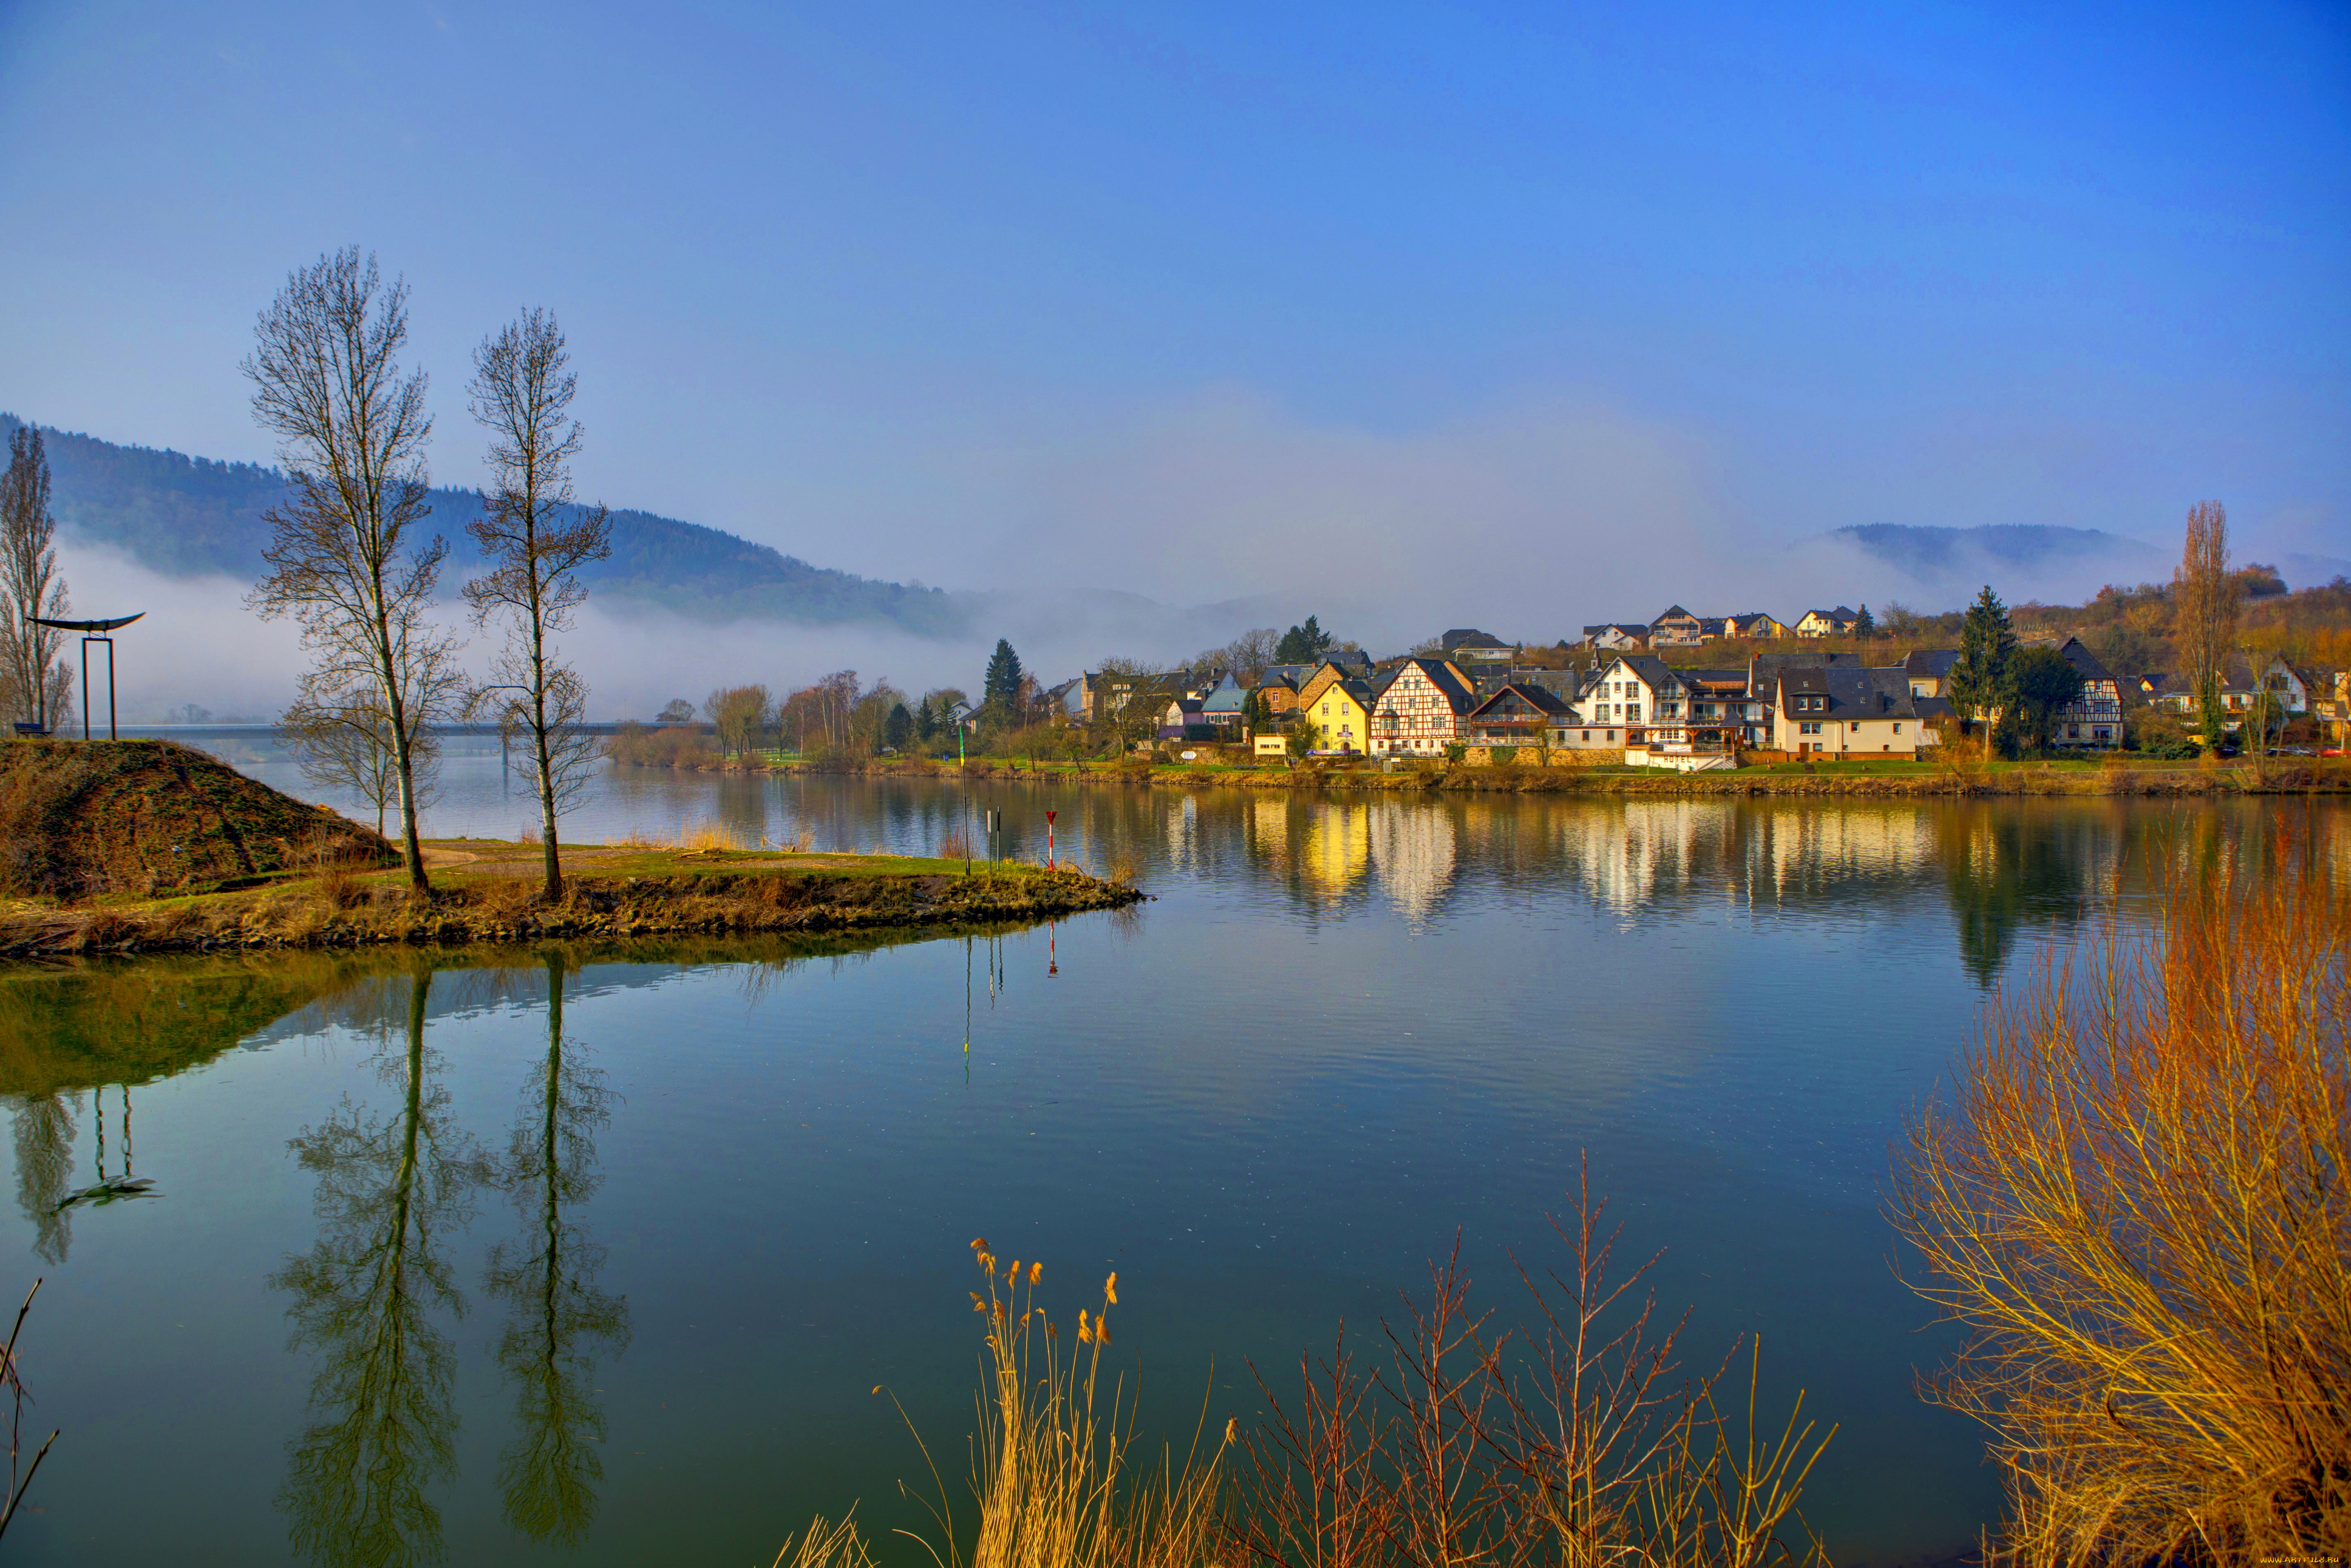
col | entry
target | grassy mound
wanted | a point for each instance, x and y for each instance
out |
(84, 818)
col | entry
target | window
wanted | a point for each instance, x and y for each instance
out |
(1897, 728)
(1612, 734)
(1808, 729)
(1856, 725)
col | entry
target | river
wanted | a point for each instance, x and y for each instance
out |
(597, 1256)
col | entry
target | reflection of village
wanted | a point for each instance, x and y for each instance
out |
(2003, 869)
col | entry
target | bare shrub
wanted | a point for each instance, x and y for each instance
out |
(1574, 1445)
(2136, 1198)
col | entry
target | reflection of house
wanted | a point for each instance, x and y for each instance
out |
(1418, 711)
(1343, 712)
(1412, 848)
(1517, 716)
(1837, 622)
(1335, 849)
(1846, 710)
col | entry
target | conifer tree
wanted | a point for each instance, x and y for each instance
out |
(1000, 688)
(1980, 680)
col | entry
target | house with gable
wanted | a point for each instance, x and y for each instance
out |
(1467, 646)
(1852, 711)
(1837, 622)
(2097, 719)
(1339, 664)
(1677, 628)
(1618, 636)
(1517, 715)
(1928, 670)
(1627, 696)
(1417, 710)
(1754, 623)
(1342, 713)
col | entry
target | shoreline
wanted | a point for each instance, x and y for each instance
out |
(487, 893)
(2299, 776)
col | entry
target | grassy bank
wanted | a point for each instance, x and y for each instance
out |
(488, 892)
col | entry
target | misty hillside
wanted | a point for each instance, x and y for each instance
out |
(1931, 554)
(186, 516)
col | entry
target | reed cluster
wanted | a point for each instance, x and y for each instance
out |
(1575, 1442)
(2139, 1201)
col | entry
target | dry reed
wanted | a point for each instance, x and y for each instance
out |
(1055, 1464)
(2137, 1202)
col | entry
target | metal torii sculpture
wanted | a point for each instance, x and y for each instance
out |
(94, 631)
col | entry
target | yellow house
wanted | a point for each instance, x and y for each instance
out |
(1343, 712)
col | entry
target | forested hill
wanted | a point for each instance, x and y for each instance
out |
(188, 515)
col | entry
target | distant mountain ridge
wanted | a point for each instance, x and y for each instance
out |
(187, 516)
(1931, 551)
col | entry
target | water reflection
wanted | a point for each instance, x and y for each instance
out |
(369, 1300)
(559, 1322)
(44, 1139)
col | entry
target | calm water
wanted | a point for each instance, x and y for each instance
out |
(596, 1256)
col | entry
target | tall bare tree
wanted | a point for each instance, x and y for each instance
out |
(345, 560)
(536, 540)
(2205, 609)
(34, 679)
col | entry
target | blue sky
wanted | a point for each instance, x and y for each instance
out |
(1191, 299)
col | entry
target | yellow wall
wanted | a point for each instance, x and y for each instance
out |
(1341, 720)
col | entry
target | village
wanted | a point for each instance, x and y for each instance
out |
(1629, 693)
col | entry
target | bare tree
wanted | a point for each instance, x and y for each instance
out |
(738, 714)
(342, 741)
(343, 562)
(536, 540)
(33, 680)
(1131, 697)
(2205, 616)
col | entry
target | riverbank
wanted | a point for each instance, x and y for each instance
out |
(488, 892)
(2099, 778)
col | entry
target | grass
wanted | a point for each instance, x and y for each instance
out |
(489, 890)
(2139, 1199)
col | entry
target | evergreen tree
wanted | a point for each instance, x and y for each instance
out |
(2045, 683)
(898, 729)
(1000, 688)
(1302, 644)
(926, 722)
(1864, 624)
(1980, 680)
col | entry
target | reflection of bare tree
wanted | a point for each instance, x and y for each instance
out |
(44, 1136)
(365, 1299)
(558, 1320)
